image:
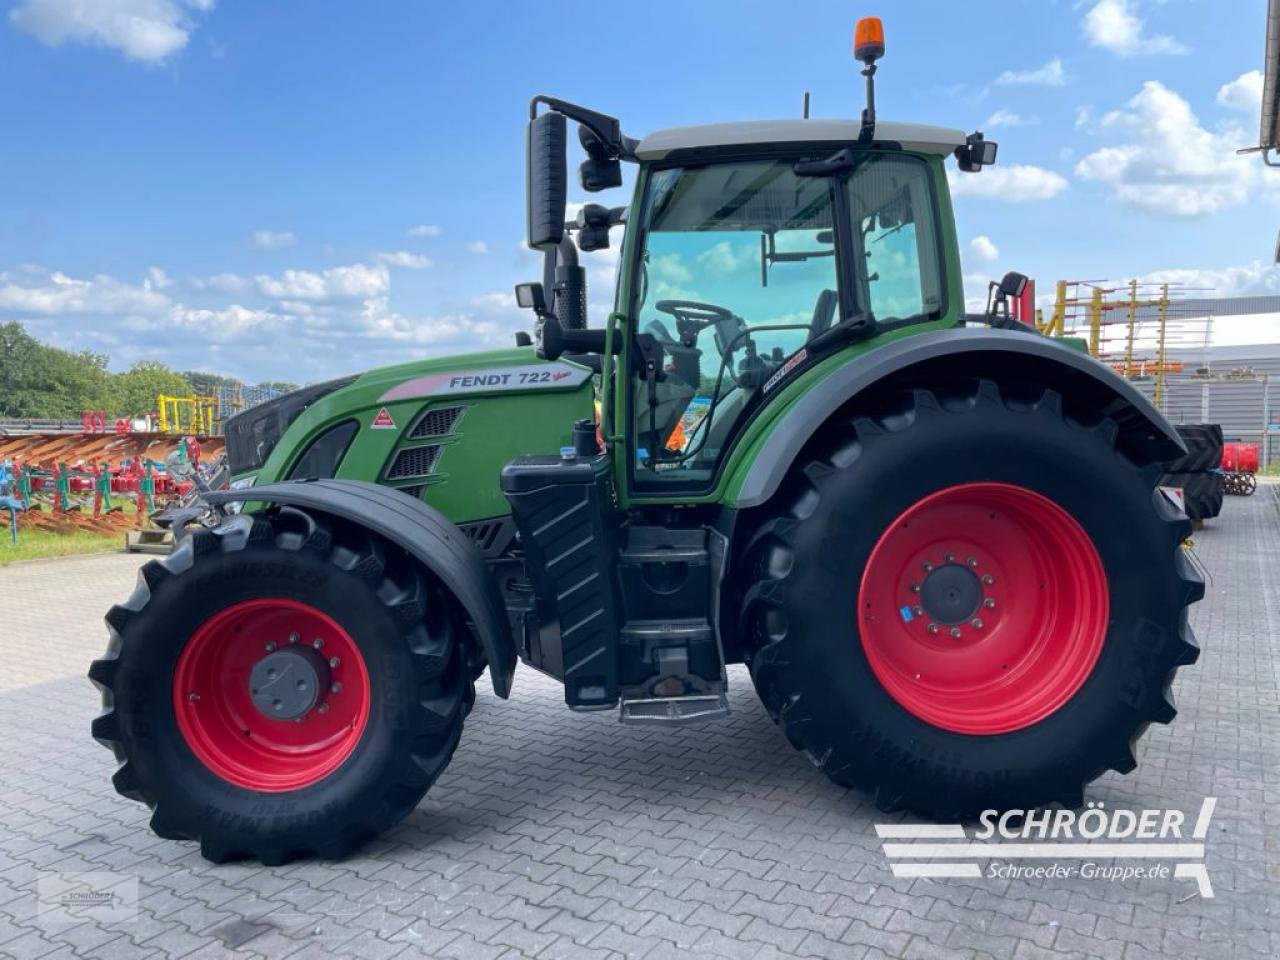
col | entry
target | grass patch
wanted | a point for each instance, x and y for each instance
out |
(37, 544)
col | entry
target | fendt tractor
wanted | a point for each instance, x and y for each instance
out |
(935, 538)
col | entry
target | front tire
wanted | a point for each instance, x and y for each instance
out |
(225, 751)
(963, 600)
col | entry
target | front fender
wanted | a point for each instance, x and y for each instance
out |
(425, 534)
(1001, 355)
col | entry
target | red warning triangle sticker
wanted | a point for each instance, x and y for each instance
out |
(383, 420)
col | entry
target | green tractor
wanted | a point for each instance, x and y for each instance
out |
(935, 538)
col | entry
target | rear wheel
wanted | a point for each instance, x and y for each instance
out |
(964, 600)
(281, 687)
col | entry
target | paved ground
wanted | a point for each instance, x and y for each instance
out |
(563, 835)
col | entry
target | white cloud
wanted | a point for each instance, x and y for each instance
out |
(56, 294)
(725, 257)
(1016, 183)
(1111, 25)
(1007, 118)
(358, 281)
(225, 324)
(157, 279)
(148, 30)
(1244, 93)
(496, 300)
(424, 230)
(272, 239)
(983, 250)
(477, 246)
(1051, 74)
(1238, 281)
(1083, 116)
(221, 282)
(1168, 163)
(405, 260)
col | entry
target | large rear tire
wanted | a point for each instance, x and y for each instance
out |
(225, 751)
(962, 600)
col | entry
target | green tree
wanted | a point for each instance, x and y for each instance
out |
(134, 392)
(40, 381)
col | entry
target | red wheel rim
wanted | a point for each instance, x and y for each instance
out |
(213, 698)
(1029, 636)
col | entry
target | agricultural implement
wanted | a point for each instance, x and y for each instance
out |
(935, 538)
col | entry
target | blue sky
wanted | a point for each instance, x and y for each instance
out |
(294, 190)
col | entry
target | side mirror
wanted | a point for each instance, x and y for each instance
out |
(599, 171)
(977, 152)
(530, 296)
(546, 187)
(1014, 284)
(1278, 248)
(593, 224)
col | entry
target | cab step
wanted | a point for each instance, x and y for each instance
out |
(692, 708)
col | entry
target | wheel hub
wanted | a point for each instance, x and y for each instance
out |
(951, 594)
(287, 683)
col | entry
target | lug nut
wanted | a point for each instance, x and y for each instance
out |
(950, 558)
(915, 588)
(294, 638)
(955, 633)
(933, 628)
(917, 610)
(334, 663)
(271, 646)
(193, 697)
(928, 567)
(972, 561)
(976, 623)
(323, 708)
(989, 603)
(336, 688)
(988, 579)
(317, 643)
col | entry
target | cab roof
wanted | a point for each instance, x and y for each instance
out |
(917, 137)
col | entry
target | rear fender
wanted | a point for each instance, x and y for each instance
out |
(1007, 357)
(422, 532)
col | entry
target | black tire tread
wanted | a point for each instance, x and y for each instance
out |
(764, 560)
(411, 601)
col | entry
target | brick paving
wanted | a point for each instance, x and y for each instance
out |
(556, 834)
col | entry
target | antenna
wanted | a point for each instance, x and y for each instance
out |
(805, 114)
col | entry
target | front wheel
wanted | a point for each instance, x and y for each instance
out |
(963, 600)
(281, 686)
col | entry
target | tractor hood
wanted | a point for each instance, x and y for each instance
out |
(439, 429)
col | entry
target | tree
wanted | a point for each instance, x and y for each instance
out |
(44, 382)
(134, 392)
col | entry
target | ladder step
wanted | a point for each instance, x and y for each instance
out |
(690, 709)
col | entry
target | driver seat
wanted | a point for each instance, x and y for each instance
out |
(824, 313)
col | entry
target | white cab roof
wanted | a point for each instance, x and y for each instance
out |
(918, 137)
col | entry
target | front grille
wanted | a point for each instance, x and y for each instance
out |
(436, 423)
(414, 462)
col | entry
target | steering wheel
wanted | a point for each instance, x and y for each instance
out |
(694, 316)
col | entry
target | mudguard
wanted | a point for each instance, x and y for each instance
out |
(1005, 356)
(424, 533)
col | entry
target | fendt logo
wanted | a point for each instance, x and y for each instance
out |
(533, 376)
(1090, 844)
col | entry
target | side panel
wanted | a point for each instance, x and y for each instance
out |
(501, 405)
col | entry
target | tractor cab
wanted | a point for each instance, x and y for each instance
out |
(753, 252)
